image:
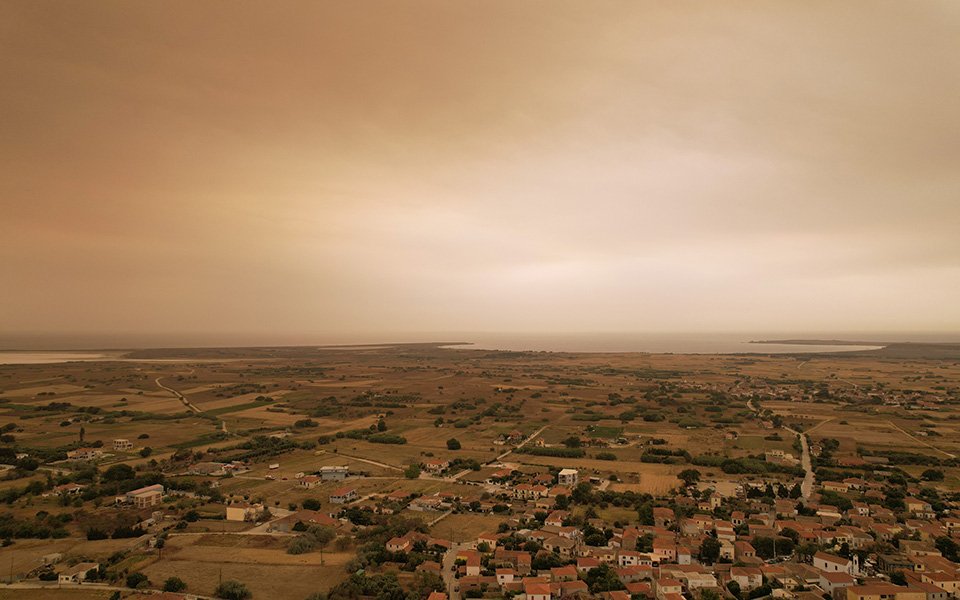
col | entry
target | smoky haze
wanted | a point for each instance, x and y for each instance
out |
(390, 167)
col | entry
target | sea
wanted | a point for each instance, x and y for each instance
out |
(52, 348)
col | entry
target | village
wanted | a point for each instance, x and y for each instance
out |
(775, 499)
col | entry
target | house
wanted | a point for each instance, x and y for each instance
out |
(437, 596)
(471, 560)
(505, 576)
(121, 444)
(945, 581)
(747, 578)
(333, 473)
(665, 586)
(307, 518)
(744, 550)
(663, 517)
(568, 477)
(834, 564)
(68, 489)
(213, 469)
(836, 486)
(145, 497)
(881, 591)
(399, 544)
(526, 491)
(243, 511)
(585, 563)
(536, 590)
(85, 454)
(309, 482)
(343, 495)
(566, 573)
(77, 572)
(919, 508)
(436, 466)
(835, 583)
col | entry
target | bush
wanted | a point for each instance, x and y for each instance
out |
(135, 579)
(387, 438)
(233, 590)
(174, 584)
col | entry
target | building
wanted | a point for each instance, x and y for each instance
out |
(77, 572)
(834, 564)
(309, 482)
(145, 497)
(212, 469)
(306, 518)
(536, 590)
(85, 454)
(343, 495)
(835, 583)
(747, 578)
(121, 444)
(568, 477)
(333, 473)
(881, 591)
(243, 511)
(435, 466)
(68, 489)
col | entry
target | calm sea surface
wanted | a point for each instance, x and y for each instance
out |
(41, 349)
(39, 358)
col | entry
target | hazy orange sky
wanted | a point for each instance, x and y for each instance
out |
(389, 167)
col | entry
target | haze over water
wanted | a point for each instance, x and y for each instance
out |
(51, 347)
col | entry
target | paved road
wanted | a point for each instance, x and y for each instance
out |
(446, 566)
(806, 488)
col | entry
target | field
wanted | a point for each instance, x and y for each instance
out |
(629, 422)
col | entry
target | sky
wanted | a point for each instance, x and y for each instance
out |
(380, 168)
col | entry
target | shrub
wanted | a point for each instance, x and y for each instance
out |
(233, 590)
(174, 584)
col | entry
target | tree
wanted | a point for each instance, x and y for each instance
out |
(119, 472)
(734, 588)
(603, 579)
(145, 452)
(381, 425)
(572, 442)
(322, 535)
(645, 513)
(453, 444)
(135, 580)
(83, 432)
(311, 504)
(233, 590)
(898, 578)
(796, 491)
(948, 548)
(174, 584)
(710, 550)
(412, 472)
(932, 475)
(689, 476)
(709, 594)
